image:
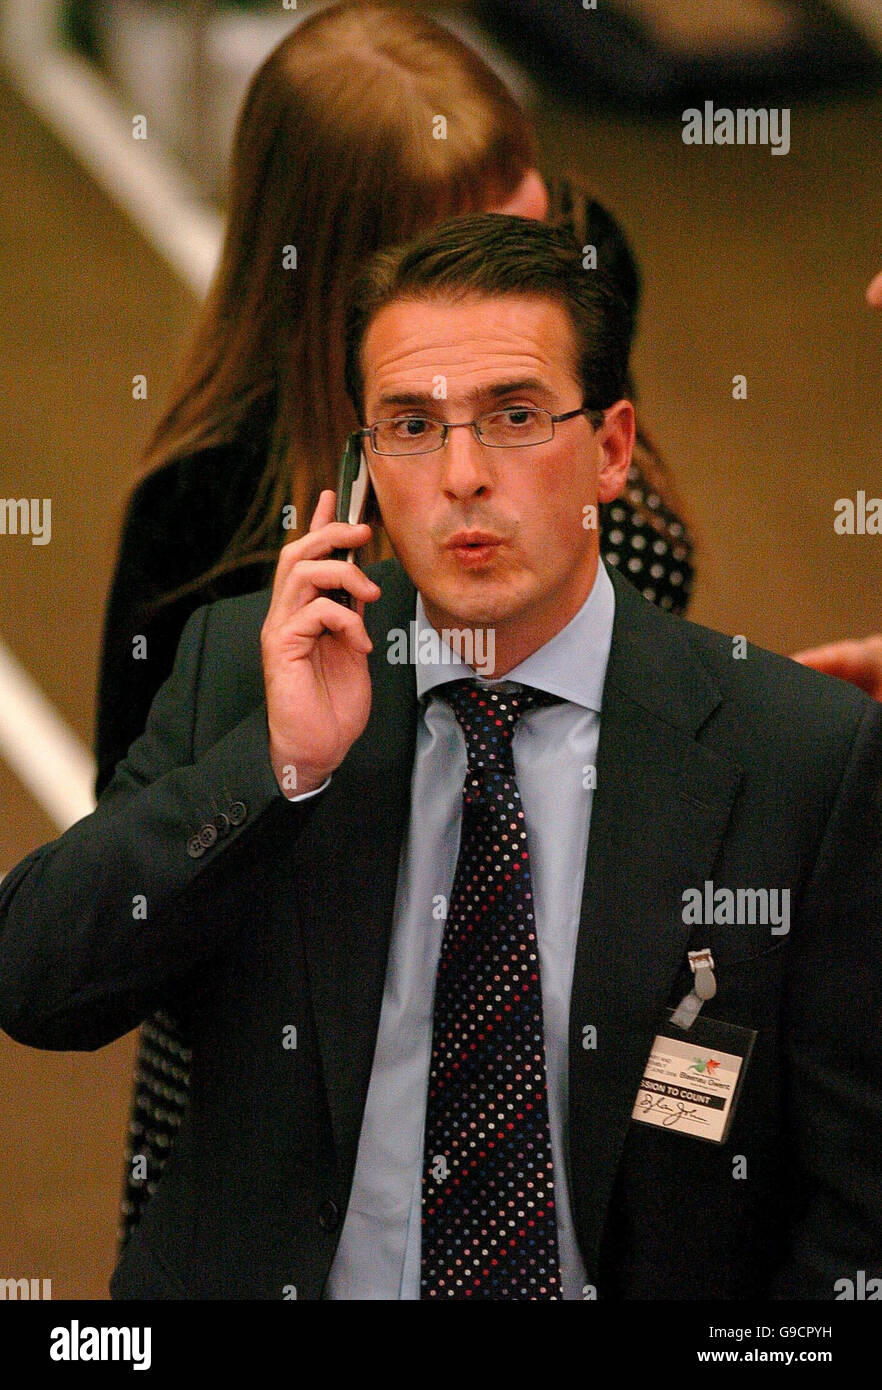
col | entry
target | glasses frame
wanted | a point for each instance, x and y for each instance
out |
(597, 418)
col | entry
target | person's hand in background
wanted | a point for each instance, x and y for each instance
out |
(858, 662)
(874, 292)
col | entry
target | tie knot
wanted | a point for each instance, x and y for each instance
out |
(488, 717)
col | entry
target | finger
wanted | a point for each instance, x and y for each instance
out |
(325, 508)
(833, 658)
(332, 535)
(850, 661)
(311, 577)
(859, 662)
(874, 292)
(292, 550)
(322, 615)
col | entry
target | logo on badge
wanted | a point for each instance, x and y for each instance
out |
(705, 1066)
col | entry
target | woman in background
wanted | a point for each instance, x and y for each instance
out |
(334, 158)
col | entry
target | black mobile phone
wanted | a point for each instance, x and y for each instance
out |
(353, 500)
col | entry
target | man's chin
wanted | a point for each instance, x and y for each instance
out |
(472, 603)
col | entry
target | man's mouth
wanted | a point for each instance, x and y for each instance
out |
(473, 547)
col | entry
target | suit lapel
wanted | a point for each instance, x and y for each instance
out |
(347, 872)
(659, 813)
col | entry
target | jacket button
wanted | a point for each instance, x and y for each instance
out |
(207, 835)
(329, 1216)
(222, 824)
(194, 847)
(237, 812)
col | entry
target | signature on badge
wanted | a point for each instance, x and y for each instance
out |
(673, 1114)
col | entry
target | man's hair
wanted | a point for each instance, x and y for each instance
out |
(494, 254)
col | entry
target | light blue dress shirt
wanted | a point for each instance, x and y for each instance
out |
(379, 1252)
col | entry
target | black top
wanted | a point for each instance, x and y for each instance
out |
(179, 522)
(181, 519)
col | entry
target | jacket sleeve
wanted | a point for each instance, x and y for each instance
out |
(95, 932)
(833, 1040)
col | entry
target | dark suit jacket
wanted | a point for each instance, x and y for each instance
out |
(750, 773)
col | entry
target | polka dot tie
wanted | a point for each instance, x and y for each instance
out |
(489, 1228)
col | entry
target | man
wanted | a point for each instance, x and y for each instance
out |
(426, 930)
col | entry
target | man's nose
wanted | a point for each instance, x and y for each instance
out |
(467, 465)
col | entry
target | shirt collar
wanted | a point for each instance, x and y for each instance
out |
(572, 664)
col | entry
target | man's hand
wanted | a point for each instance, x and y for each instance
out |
(858, 662)
(315, 672)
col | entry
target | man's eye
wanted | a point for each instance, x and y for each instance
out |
(409, 427)
(518, 415)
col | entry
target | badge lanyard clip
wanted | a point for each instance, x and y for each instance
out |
(704, 986)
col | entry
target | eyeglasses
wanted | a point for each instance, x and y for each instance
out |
(516, 427)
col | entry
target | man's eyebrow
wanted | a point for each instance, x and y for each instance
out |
(494, 392)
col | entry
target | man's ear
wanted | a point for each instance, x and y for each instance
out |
(616, 439)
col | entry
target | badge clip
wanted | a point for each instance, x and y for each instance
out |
(704, 986)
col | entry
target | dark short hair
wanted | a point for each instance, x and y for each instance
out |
(495, 254)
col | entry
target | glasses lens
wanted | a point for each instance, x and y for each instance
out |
(410, 434)
(516, 426)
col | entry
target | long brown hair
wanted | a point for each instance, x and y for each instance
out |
(364, 125)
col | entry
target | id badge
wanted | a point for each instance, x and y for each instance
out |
(693, 1077)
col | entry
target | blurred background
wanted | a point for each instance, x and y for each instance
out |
(754, 265)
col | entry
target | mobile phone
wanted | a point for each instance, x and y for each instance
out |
(353, 497)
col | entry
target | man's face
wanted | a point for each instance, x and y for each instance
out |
(489, 353)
